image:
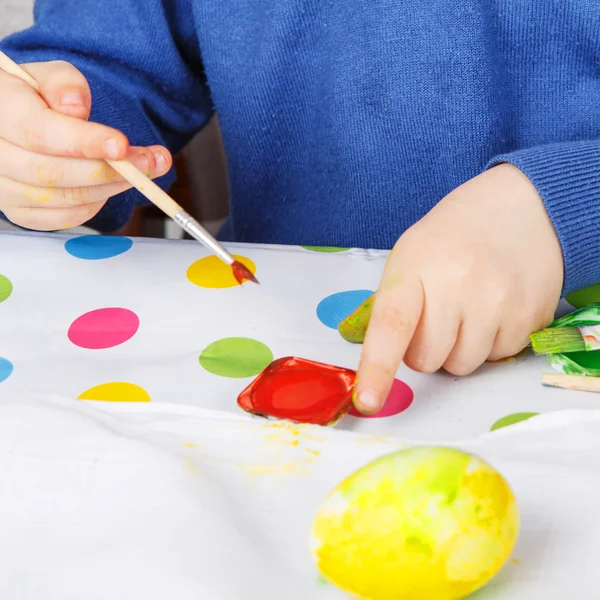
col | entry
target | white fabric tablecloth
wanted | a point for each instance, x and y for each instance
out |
(185, 496)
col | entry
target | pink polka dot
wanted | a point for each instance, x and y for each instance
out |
(400, 398)
(104, 328)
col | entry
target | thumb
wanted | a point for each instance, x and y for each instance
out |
(63, 87)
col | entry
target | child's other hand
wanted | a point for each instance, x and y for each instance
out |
(52, 172)
(467, 283)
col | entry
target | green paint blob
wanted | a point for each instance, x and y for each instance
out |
(414, 544)
(578, 363)
(512, 419)
(328, 249)
(354, 327)
(447, 477)
(6, 288)
(583, 297)
(437, 471)
(581, 363)
(236, 357)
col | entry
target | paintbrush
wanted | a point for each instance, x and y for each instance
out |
(576, 332)
(562, 340)
(581, 383)
(152, 192)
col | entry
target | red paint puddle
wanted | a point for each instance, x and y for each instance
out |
(300, 390)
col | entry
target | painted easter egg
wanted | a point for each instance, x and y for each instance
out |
(425, 523)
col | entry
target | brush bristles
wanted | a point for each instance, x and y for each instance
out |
(557, 340)
(242, 273)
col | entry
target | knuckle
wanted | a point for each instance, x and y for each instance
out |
(75, 197)
(376, 370)
(104, 174)
(50, 173)
(422, 362)
(506, 350)
(460, 266)
(498, 289)
(22, 218)
(33, 132)
(66, 67)
(107, 174)
(392, 318)
(498, 294)
(412, 239)
(61, 64)
(460, 367)
(84, 213)
(522, 323)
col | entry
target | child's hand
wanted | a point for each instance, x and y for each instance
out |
(52, 175)
(467, 283)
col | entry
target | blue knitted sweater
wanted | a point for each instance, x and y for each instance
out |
(345, 122)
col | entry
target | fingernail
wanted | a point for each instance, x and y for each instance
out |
(368, 401)
(142, 163)
(161, 161)
(111, 149)
(72, 99)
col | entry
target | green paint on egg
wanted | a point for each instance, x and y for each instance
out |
(512, 420)
(584, 297)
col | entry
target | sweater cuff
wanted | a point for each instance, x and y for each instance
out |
(567, 177)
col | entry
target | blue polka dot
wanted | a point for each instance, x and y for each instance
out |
(97, 247)
(335, 308)
(6, 368)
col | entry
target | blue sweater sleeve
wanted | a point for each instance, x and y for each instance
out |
(567, 177)
(143, 64)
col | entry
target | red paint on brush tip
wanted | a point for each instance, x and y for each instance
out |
(242, 273)
(300, 390)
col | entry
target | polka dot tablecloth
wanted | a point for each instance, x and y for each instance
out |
(111, 319)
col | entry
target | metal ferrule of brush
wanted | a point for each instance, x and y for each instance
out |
(193, 228)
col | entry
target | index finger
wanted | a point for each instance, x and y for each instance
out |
(26, 121)
(396, 313)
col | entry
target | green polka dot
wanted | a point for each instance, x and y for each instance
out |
(584, 297)
(512, 419)
(236, 357)
(6, 288)
(328, 249)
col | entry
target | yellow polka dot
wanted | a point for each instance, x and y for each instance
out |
(212, 272)
(116, 392)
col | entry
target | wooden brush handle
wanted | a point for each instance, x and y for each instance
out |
(129, 172)
(146, 186)
(571, 382)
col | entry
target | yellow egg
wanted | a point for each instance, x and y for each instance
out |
(420, 524)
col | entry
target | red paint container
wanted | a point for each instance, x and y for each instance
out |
(300, 390)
